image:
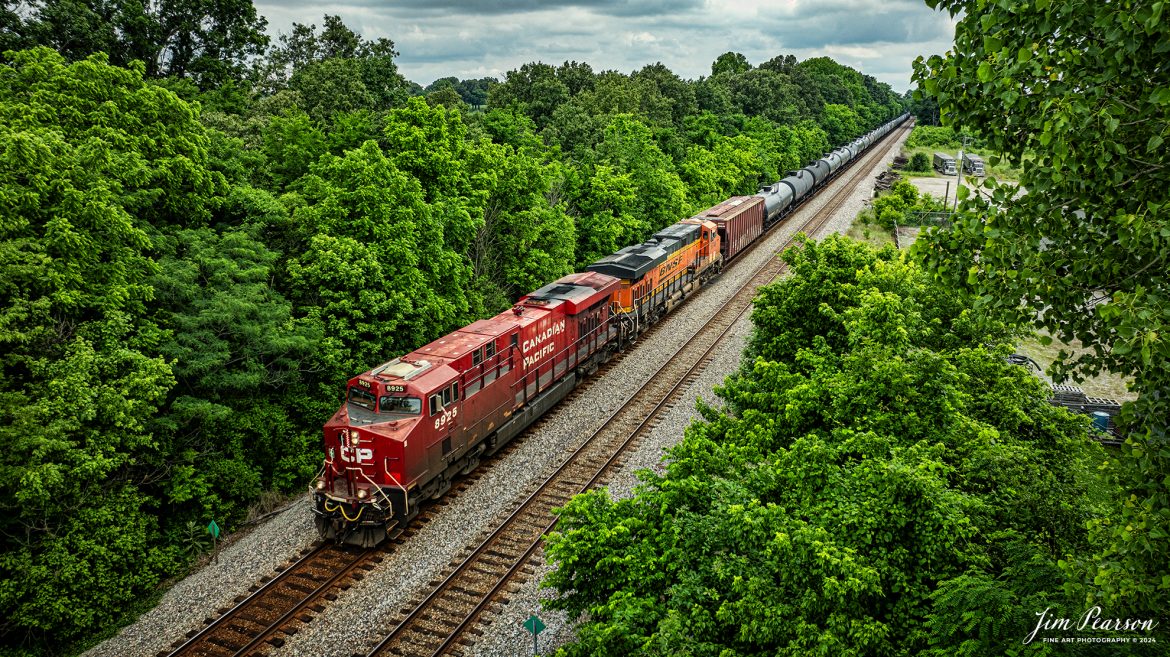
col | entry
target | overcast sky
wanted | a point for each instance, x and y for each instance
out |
(472, 39)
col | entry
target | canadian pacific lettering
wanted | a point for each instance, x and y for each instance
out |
(544, 351)
(535, 358)
(555, 329)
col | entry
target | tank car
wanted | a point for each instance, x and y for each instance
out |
(778, 199)
(836, 159)
(819, 169)
(801, 182)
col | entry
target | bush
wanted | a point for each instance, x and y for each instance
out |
(926, 136)
(919, 162)
(878, 476)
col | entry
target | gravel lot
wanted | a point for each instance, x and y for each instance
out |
(356, 619)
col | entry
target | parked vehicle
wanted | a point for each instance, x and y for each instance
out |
(944, 164)
(973, 164)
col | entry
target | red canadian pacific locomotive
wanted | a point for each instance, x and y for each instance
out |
(410, 426)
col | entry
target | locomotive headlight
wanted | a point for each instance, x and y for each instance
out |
(363, 493)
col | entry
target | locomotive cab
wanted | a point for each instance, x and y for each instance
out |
(359, 492)
(399, 438)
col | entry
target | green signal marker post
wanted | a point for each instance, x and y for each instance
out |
(534, 625)
(213, 529)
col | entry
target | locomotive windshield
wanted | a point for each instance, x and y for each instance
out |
(363, 398)
(400, 405)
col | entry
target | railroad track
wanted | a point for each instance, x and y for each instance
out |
(277, 606)
(272, 605)
(442, 621)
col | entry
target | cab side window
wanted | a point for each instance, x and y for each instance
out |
(444, 398)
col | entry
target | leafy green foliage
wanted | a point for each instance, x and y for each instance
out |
(904, 206)
(523, 213)
(873, 484)
(941, 136)
(919, 162)
(194, 258)
(1083, 253)
(631, 193)
(78, 535)
(841, 123)
(372, 265)
(534, 89)
(208, 42)
(306, 61)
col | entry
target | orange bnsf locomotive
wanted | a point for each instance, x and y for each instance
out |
(408, 427)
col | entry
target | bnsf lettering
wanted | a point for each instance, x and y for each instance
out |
(529, 345)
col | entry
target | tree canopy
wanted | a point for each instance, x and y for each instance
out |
(878, 480)
(208, 42)
(1078, 96)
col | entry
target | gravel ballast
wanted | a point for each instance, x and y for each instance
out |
(360, 615)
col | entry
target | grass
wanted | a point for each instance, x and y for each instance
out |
(863, 229)
(1108, 386)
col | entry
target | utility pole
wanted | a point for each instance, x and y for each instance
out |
(959, 171)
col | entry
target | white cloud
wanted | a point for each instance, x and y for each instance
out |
(469, 38)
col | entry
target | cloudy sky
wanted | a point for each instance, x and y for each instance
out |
(477, 38)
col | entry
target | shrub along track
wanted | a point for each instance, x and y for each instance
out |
(452, 613)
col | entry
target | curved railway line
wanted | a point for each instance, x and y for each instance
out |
(439, 623)
(277, 606)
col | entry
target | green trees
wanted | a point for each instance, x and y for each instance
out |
(236, 351)
(91, 156)
(841, 123)
(523, 213)
(632, 191)
(194, 256)
(334, 71)
(1083, 254)
(903, 204)
(874, 482)
(534, 88)
(208, 42)
(371, 262)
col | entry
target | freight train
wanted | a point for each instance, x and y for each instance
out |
(409, 427)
